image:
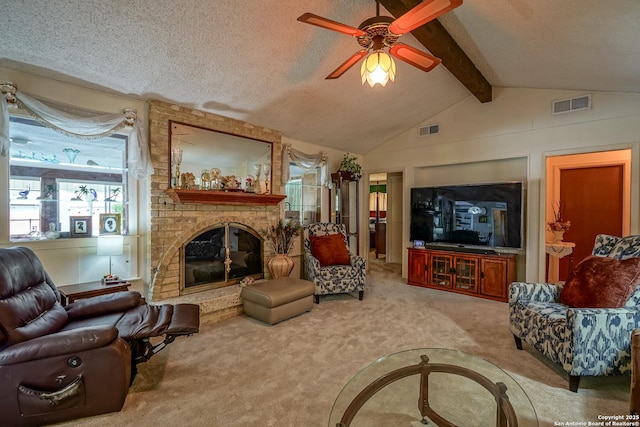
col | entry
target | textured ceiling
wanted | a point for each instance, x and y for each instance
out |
(253, 61)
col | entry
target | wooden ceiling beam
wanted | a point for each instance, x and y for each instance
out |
(439, 42)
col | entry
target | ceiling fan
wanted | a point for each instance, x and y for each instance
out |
(380, 32)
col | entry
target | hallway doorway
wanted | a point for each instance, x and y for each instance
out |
(385, 216)
(595, 190)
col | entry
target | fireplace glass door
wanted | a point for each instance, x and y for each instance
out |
(221, 256)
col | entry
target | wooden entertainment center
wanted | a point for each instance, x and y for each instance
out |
(481, 273)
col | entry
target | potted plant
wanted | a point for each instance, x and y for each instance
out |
(280, 238)
(350, 164)
(559, 225)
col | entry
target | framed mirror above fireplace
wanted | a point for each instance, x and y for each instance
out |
(205, 161)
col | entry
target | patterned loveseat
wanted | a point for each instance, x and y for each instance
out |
(583, 341)
(332, 279)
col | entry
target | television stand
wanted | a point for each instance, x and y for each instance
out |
(465, 249)
(463, 270)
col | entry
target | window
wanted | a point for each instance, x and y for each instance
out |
(55, 177)
(303, 192)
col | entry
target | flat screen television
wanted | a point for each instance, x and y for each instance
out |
(483, 215)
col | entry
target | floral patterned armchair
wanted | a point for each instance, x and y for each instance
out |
(583, 341)
(332, 279)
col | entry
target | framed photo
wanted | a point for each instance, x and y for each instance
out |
(80, 226)
(418, 243)
(483, 219)
(109, 224)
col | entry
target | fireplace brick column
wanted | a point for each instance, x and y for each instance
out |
(173, 223)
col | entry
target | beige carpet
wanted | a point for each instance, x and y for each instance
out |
(241, 372)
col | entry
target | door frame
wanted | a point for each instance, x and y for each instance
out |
(365, 209)
(554, 166)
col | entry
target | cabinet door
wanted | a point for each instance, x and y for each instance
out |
(466, 274)
(440, 275)
(418, 263)
(343, 206)
(494, 278)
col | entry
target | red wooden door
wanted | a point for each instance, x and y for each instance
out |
(594, 203)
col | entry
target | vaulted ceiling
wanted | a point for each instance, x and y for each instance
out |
(253, 61)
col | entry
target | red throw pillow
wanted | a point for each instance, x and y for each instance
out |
(329, 250)
(601, 282)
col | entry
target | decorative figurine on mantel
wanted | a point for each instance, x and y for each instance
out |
(249, 186)
(267, 182)
(258, 169)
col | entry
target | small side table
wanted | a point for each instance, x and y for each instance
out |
(555, 251)
(87, 290)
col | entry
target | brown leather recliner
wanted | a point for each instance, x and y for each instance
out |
(60, 363)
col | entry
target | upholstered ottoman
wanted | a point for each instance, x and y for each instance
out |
(278, 299)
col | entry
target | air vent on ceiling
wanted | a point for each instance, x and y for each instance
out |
(572, 104)
(428, 130)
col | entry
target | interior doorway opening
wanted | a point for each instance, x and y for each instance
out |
(385, 218)
(594, 190)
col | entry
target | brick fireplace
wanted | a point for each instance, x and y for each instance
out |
(174, 223)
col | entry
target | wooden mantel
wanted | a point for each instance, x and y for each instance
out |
(221, 197)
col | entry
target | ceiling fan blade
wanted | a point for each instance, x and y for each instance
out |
(415, 57)
(347, 64)
(310, 18)
(421, 14)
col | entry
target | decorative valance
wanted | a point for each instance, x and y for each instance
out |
(92, 127)
(306, 162)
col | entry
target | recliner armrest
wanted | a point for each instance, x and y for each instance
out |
(103, 304)
(57, 344)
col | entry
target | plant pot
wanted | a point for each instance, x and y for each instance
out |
(558, 236)
(280, 265)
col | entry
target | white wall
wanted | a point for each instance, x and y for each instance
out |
(517, 125)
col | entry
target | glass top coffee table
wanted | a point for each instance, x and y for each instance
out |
(432, 386)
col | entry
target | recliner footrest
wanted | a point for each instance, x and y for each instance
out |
(185, 320)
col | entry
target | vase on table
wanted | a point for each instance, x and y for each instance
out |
(280, 265)
(558, 236)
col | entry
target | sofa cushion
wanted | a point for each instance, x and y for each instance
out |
(601, 282)
(329, 249)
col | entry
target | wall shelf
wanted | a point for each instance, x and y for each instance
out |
(221, 197)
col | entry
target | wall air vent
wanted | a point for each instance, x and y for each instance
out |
(428, 130)
(573, 104)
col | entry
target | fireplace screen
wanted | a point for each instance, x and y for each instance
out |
(222, 256)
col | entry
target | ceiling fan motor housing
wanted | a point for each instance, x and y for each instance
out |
(377, 28)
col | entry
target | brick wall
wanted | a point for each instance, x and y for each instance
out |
(173, 223)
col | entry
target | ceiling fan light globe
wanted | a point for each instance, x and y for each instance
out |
(378, 68)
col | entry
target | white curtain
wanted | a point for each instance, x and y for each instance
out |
(93, 127)
(307, 162)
